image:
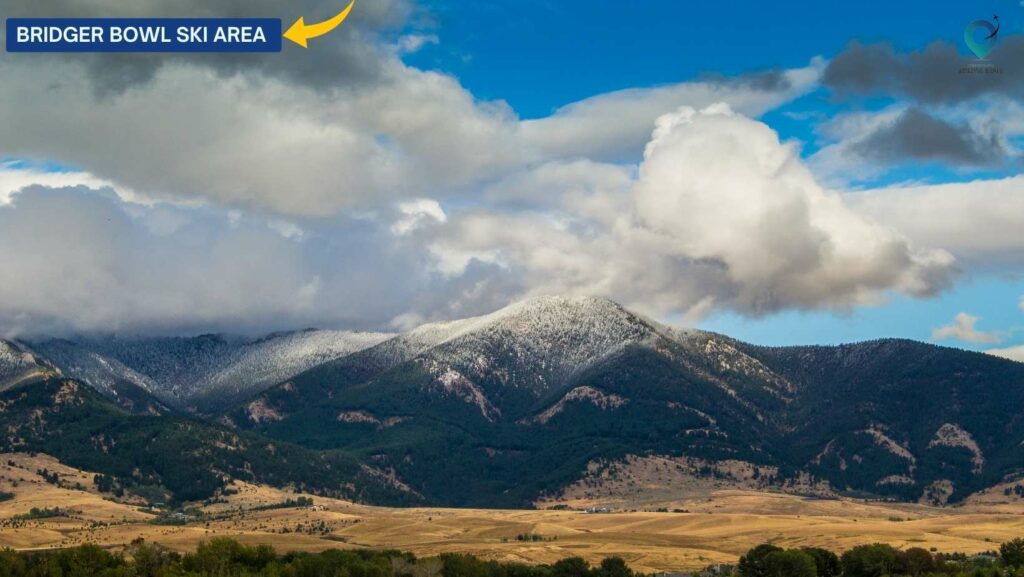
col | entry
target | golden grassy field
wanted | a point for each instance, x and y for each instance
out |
(716, 527)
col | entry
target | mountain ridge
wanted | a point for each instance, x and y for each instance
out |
(526, 401)
(197, 373)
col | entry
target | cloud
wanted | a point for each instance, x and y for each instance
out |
(978, 221)
(1012, 353)
(930, 76)
(261, 144)
(560, 183)
(412, 43)
(860, 146)
(963, 329)
(14, 177)
(721, 211)
(417, 213)
(78, 259)
(609, 126)
(719, 187)
(917, 135)
(301, 133)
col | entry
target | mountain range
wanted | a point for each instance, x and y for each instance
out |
(540, 400)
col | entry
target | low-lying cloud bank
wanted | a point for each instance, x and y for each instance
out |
(719, 214)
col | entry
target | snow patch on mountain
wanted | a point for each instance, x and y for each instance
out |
(13, 360)
(18, 364)
(732, 360)
(102, 373)
(200, 370)
(261, 364)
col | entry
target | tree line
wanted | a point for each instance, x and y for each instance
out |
(876, 560)
(222, 557)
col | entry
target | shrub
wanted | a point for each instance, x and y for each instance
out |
(1012, 553)
(876, 560)
(753, 563)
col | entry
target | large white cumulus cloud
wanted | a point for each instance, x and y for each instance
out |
(722, 187)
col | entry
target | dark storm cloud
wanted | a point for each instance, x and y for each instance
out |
(767, 80)
(931, 76)
(350, 55)
(918, 135)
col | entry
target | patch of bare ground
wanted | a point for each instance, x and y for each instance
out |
(639, 482)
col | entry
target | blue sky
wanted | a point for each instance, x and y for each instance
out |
(991, 298)
(541, 54)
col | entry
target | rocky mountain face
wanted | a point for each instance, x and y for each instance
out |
(902, 418)
(558, 393)
(170, 457)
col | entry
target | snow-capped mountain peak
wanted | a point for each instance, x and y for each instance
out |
(538, 342)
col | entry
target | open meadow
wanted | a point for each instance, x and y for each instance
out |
(714, 528)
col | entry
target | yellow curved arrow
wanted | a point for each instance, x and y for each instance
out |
(300, 34)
